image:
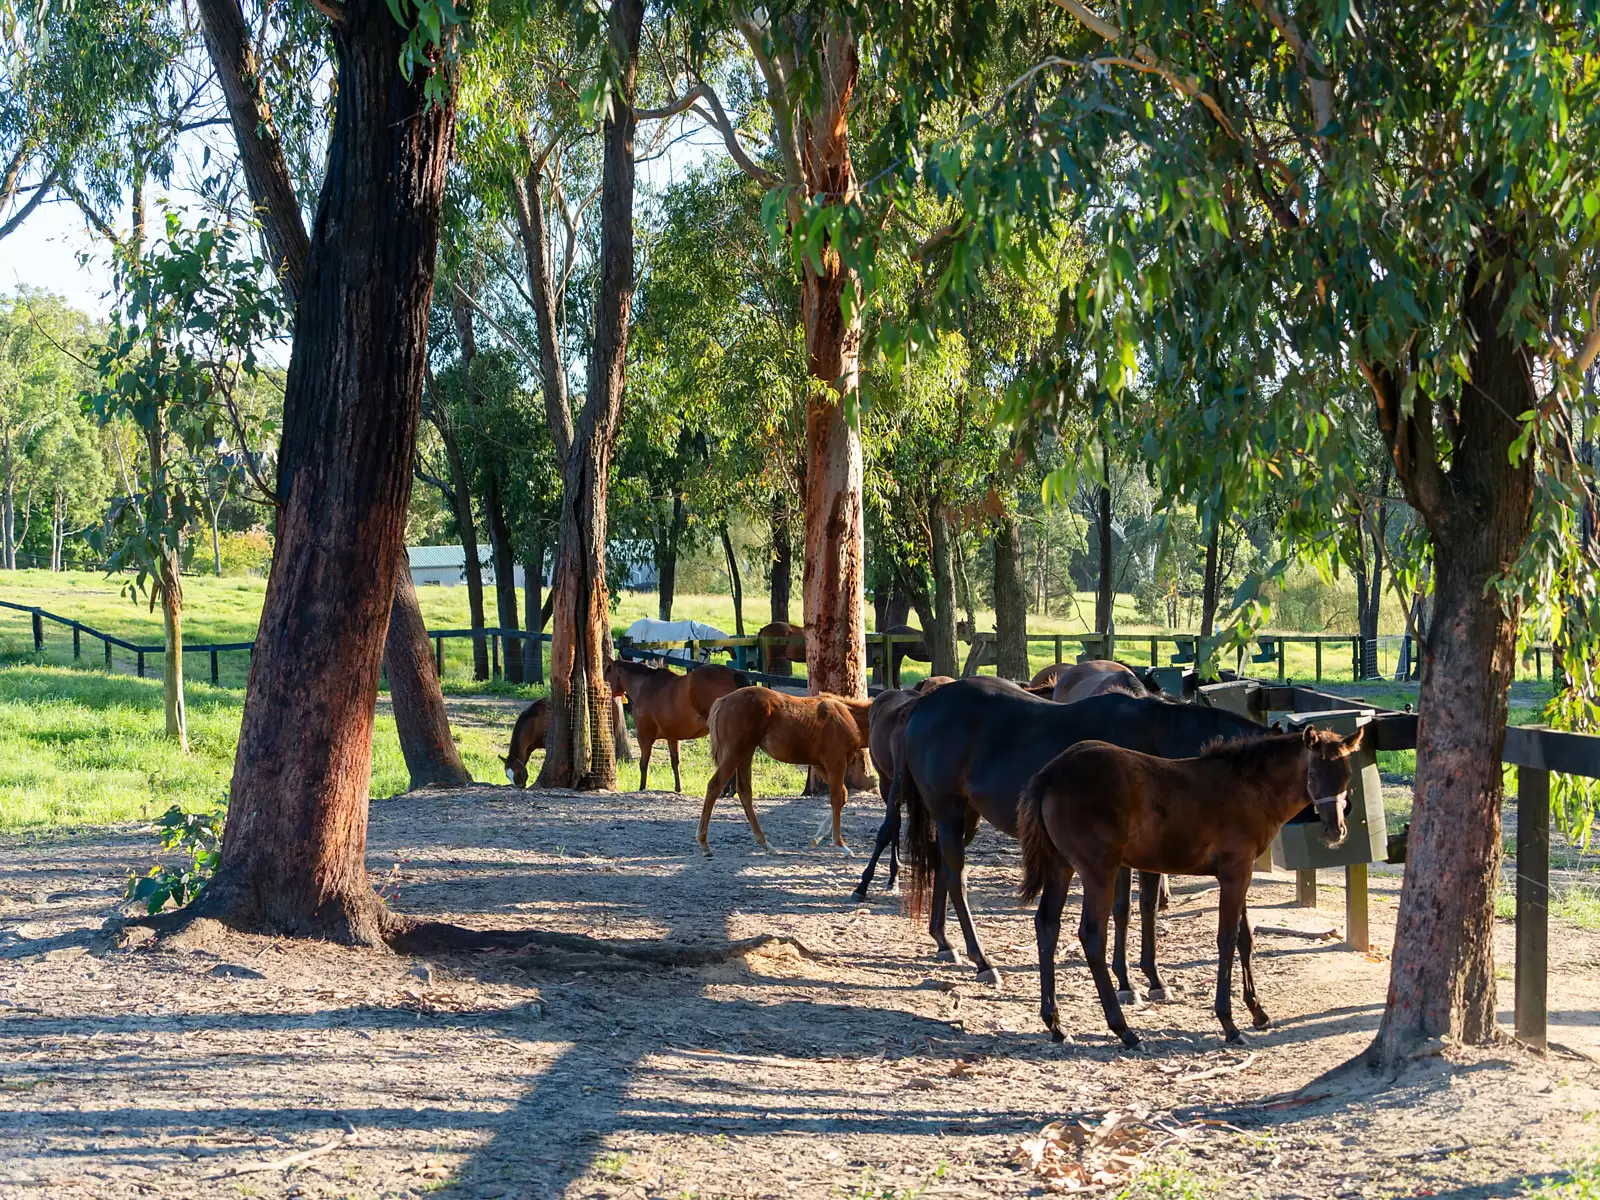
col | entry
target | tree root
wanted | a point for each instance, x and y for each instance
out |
(576, 951)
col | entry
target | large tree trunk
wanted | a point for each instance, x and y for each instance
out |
(293, 857)
(780, 571)
(667, 560)
(1441, 979)
(1010, 600)
(533, 602)
(834, 549)
(579, 748)
(941, 638)
(1106, 592)
(1210, 593)
(500, 553)
(461, 494)
(271, 187)
(431, 755)
(734, 581)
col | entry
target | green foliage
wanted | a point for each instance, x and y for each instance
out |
(197, 835)
(1581, 1182)
(194, 310)
(246, 552)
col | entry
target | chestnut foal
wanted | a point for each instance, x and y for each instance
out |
(824, 731)
(669, 706)
(1097, 808)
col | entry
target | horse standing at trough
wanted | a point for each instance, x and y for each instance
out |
(1096, 677)
(824, 731)
(970, 748)
(1098, 808)
(887, 719)
(780, 659)
(669, 706)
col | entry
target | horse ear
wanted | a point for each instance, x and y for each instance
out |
(505, 760)
(1309, 734)
(1353, 742)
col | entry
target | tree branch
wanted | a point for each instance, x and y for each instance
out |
(1146, 60)
(717, 118)
(1410, 443)
(39, 193)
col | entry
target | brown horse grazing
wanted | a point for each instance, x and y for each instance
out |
(780, 660)
(1097, 808)
(669, 706)
(824, 731)
(527, 735)
(1047, 676)
(1095, 677)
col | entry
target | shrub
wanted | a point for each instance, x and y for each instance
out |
(247, 553)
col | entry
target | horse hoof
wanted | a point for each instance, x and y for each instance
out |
(947, 955)
(992, 975)
(1260, 1020)
(1130, 997)
(1158, 995)
(1058, 1037)
(1234, 1039)
(859, 895)
(1130, 1039)
(846, 852)
(706, 850)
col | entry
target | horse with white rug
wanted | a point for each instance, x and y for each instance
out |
(646, 630)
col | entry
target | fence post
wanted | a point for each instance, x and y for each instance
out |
(1153, 663)
(1538, 662)
(1533, 903)
(1355, 907)
(77, 643)
(141, 664)
(891, 669)
(1355, 657)
(1319, 660)
(108, 656)
(38, 631)
(1305, 887)
(1283, 650)
(494, 650)
(213, 668)
(438, 657)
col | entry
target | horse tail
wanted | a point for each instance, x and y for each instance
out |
(919, 856)
(1040, 858)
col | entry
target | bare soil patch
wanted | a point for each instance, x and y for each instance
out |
(864, 1069)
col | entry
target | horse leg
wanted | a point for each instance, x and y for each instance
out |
(672, 753)
(719, 779)
(1230, 912)
(953, 840)
(836, 801)
(747, 799)
(1149, 902)
(1098, 891)
(888, 835)
(1047, 933)
(647, 743)
(945, 952)
(1258, 1015)
(1121, 903)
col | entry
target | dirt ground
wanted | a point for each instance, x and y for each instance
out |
(859, 1068)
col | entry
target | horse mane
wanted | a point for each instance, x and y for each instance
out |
(1253, 754)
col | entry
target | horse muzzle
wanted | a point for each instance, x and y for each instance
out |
(1332, 809)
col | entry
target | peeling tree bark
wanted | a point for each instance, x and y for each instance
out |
(293, 851)
(1441, 979)
(227, 37)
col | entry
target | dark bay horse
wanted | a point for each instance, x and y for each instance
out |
(669, 706)
(887, 718)
(1095, 677)
(823, 731)
(1098, 808)
(970, 748)
(780, 659)
(527, 735)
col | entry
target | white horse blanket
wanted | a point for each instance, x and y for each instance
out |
(647, 629)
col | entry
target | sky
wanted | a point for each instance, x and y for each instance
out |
(44, 254)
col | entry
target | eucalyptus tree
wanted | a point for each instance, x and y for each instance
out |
(192, 313)
(1402, 201)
